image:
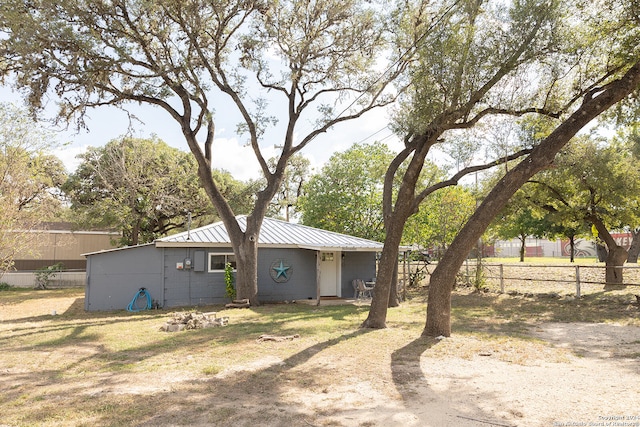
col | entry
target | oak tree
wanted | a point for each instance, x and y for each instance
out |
(486, 59)
(143, 187)
(29, 182)
(318, 62)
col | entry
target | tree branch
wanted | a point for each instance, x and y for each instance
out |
(467, 171)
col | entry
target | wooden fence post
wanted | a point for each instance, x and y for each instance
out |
(466, 262)
(502, 278)
(577, 281)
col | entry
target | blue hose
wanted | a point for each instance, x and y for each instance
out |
(133, 305)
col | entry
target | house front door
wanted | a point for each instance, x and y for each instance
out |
(329, 274)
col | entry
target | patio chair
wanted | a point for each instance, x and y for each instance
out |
(356, 291)
(364, 291)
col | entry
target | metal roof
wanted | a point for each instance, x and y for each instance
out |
(274, 233)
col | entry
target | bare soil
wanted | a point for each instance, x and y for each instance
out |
(536, 372)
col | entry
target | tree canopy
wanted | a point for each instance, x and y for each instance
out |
(316, 61)
(482, 60)
(345, 195)
(439, 219)
(29, 182)
(594, 183)
(141, 186)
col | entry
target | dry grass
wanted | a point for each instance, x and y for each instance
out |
(77, 368)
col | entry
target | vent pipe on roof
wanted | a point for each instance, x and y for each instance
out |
(189, 225)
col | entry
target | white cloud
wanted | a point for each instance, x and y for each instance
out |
(238, 159)
(68, 156)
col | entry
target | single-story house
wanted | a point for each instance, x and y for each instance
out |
(295, 262)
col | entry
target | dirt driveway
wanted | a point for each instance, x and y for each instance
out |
(77, 370)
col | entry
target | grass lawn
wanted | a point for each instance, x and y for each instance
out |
(117, 368)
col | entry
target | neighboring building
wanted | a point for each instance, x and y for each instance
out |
(295, 262)
(58, 242)
(535, 247)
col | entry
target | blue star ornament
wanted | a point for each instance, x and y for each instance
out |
(281, 270)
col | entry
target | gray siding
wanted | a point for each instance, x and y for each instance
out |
(302, 281)
(113, 278)
(192, 287)
(357, 265)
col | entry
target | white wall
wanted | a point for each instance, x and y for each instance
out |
(60, 280)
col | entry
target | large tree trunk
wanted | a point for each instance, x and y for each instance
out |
(634, 249)
(616, 257)
(616, 254)
(247, 271)
(443, 277)
(382, 291)
(244, 243)
(395, 218)
(523, 245)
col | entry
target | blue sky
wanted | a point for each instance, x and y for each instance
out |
(106, 123)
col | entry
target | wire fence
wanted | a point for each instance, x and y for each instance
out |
(535, 278)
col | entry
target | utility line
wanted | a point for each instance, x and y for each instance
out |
(407, 52)
(414, 46)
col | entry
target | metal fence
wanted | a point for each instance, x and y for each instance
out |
(63, 279)
(555, 278)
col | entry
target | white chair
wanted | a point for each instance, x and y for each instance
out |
(364, 291)
(356, 291)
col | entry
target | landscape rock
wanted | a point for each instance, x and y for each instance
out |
(193, 320)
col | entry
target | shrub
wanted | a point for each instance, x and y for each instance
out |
(45, 274)
(229, 281)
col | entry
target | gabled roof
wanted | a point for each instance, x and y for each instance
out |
(273, 233)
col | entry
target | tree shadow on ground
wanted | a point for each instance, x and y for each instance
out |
(204, 401)
(430, 406)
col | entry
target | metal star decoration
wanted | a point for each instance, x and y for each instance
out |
(281, 270)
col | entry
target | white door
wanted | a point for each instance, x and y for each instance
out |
(329, 273)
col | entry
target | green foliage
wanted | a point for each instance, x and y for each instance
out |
(5, 286)
(193, 59)
(46, 274)
(29, 178)
(440, 217)
(480, 280)
(346, 195)
(229, 281)
(591, 178)
(285, 204)
(141, 186)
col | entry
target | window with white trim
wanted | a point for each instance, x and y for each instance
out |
(217, 261)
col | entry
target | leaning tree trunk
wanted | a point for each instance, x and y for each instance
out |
(616, 257)
(443, 277)
(395, 218)
(384, 279)
(616, 254)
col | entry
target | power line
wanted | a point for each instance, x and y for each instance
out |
(372, 135)
(407, 52)
(412, 47)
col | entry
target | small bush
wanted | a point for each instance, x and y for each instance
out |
(229, 281)
(5, 286)
(45, 274)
